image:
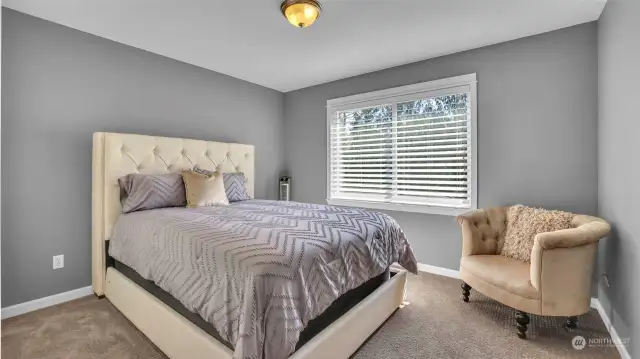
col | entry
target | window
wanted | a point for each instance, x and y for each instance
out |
(409, 148)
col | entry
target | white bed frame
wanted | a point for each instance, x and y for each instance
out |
(115, 155)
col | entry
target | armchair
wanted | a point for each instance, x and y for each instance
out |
(557, 282)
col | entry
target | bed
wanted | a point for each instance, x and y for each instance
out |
(334, 326)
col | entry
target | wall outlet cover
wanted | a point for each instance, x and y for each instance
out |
(58, 261)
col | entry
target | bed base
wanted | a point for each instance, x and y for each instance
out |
(178, 338)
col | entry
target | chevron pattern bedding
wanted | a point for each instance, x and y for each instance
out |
(259, 271)
(139, 191)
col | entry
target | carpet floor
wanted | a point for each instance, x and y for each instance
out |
(435, 324)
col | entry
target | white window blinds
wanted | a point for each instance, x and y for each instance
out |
(408, 149)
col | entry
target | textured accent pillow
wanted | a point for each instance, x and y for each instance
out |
(204, 191)
(139, 191)
(524, 223)
(234, 184)
(202, 171)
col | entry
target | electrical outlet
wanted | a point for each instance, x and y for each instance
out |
(58, 261)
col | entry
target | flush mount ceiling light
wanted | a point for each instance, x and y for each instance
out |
(301, 13)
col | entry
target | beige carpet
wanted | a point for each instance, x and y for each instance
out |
(436, 324)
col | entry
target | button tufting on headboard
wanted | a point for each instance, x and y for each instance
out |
(148, 154)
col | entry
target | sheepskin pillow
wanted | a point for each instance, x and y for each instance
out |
(524, 223)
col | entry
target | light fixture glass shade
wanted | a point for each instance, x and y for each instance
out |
(301, 13)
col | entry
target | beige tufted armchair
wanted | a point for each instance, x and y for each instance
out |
(557, 282)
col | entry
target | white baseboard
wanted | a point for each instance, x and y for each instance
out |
(622, 349)
(36, 304)
(445, 272)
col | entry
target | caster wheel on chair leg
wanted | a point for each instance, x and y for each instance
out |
(572, 322)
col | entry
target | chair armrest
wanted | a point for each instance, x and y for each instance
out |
(588, 230)
(563, 278)
(470, 235)
(562, 263)
(472, 224)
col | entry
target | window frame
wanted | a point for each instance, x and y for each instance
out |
(392, 94)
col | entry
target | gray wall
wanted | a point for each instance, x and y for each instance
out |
(61, 85)
(618, 164)
(537, 119)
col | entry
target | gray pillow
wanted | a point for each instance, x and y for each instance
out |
(233, 184)
(140, 191)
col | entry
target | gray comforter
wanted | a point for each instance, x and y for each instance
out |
(259, 271)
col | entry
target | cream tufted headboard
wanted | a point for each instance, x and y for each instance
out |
(116, 155)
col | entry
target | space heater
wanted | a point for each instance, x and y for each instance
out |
(285, 188)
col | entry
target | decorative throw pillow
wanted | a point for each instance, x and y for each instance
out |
(139, 191)
(202, 171)
(204, 191)
(524, 223)
(234, 184)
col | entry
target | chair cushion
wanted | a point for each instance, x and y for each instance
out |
(505, 273)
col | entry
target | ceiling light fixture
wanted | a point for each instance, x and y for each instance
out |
(301, 13)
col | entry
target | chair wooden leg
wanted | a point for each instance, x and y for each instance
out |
(466, 290)
(572, 322)
(522, 320)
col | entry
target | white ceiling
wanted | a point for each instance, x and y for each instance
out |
(250, 40)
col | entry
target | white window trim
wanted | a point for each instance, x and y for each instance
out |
(468, 80)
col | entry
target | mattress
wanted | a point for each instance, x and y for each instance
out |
(338, 308)
(259, 271)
